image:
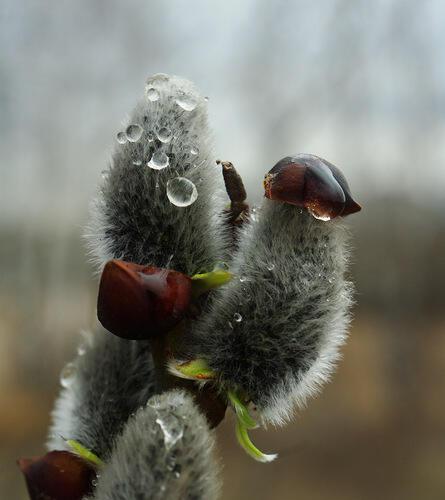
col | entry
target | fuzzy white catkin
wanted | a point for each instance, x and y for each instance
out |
(164, 452)
(275, 330)
(110, 380)
(273, 333)
(132, 218)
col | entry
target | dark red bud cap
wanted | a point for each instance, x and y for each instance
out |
(136, 302)
(311, 182)
(58, 475)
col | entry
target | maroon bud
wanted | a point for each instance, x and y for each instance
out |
(313, 183)
(58, 475)
(136, 302)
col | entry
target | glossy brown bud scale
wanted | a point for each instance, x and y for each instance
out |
(58, 475)
(313, 183)
(137, 302)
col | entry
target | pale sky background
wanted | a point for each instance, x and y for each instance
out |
(360, 83)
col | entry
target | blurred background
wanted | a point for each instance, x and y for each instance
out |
(359, 83)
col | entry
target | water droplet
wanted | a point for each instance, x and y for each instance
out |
(121, 138)
(181, 192)
(137, 163)
(81, 349)
(243, 279)
(186, 102)
(221, 266)
(318, 216)
(67, 375)
(237, 317)
(151, 93)
(164, 134)
(172, 428)
(159, 160)
(194, 150)
(150, 136)
(206, 99)
(94, 483)
(270, 266)
(134, 132)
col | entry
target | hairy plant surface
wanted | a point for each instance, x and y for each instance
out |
(266, 308)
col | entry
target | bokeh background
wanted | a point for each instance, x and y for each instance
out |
(360, 83)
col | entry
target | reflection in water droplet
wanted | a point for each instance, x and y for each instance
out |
(121, 138)
(81, 349)
(186, 102)
(137, 163)
(194, 150)
(152, 94)
(150, 136)
(159, 160)
(133, 132)
(318, 216)
(243, 279)
(181, 192)
(67, 375)
(237, 317)
(270, 266)
(172, 428)
(164, 134)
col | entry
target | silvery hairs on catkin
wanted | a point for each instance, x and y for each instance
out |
(165, 451)
(133, 219)
(274, 331)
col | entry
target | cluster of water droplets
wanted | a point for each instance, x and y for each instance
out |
(173, 466)
(180, 191)
(131, 134)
